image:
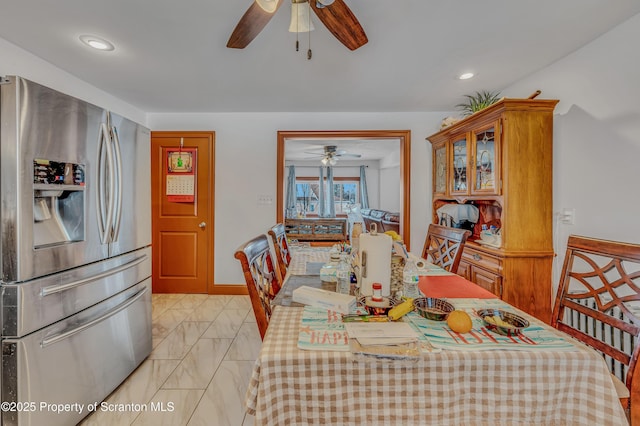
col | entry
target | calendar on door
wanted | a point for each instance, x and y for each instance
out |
(181, 175)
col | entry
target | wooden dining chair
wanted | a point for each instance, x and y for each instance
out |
(263, 283)
(598, 303)
(283, 255)
(443, 246)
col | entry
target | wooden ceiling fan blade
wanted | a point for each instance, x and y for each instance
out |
(342, 23)
(250, 25)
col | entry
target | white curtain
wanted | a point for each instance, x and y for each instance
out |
(327, 207)
(364, 195)
(331, 200)
(321, 194)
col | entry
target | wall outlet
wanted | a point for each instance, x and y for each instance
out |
(265, 200)
(568, 216)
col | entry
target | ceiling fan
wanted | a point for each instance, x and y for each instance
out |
(334, 14)
(330, 155)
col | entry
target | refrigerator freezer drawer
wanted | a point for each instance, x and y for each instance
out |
(31, 305)
(79, 360)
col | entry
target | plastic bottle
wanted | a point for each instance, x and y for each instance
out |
(343, 275)
(410, 279)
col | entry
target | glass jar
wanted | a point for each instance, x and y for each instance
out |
(343, 275)
(328, 272)
(377, 293)
(397, 266)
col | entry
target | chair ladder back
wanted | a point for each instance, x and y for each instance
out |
(281, 246)
(263, 284)
(444, 246)
(598, 303)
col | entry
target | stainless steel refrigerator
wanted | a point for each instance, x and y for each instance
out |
(75, 301)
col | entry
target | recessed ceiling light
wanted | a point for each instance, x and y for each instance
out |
(97, 42)
(466, 76)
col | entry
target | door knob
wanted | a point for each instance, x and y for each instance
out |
(202, 225)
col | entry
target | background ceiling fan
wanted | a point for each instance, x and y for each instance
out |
(334, 14)
(330, 155)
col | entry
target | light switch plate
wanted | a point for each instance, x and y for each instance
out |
(265, 199)
(568, 216)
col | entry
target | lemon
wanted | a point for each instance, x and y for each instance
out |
(459, 321)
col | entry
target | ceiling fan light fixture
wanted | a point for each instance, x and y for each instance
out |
(300, 18)
(329, 160)
(268, 6)
(324, 3)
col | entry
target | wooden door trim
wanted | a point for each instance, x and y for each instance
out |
(404, 136)
(211, 199)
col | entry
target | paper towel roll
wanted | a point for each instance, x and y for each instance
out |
(375, 257)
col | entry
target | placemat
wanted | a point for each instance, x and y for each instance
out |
(452, 286)
(322, 330)
(535, 337)
(313, 268)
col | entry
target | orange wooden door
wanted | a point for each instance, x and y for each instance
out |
(182, 238)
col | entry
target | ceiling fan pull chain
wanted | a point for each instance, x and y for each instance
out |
(309, 25)
(297, 33)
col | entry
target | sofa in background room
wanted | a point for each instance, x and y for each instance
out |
(384, 220)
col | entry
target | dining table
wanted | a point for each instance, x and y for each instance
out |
(307, 372)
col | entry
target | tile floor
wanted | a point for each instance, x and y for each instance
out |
(204, 348)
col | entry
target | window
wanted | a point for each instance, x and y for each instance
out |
(345, 192)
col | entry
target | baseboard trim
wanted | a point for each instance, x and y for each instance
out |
(231, 289)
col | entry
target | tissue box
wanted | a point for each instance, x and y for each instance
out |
(330, 300)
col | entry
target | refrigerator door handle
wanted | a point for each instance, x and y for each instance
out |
(66, 334)
(118, 195)
(52, 289)
(105, 197)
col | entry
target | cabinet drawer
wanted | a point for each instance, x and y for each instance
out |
(487, 280)
(483, 260)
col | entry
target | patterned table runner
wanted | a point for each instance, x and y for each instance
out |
(324, 330)
(533, 338)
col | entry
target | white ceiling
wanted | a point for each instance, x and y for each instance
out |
(171, 57)
(368, 149)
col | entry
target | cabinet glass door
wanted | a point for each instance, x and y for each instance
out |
(459, 167)
(485, 161)
(440, 170)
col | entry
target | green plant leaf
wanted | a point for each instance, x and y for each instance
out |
(478, 101)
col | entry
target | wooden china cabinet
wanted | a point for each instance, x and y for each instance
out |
(500, 160)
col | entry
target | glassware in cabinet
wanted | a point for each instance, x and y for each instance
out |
(486, 155)
(440, 169)
(459, 166)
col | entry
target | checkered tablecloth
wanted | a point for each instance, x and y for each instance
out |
(290, 386)
(301, 256)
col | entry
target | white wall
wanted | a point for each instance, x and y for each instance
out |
(246, 167)
(390, 189)
(596, 136)
(16, 61)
